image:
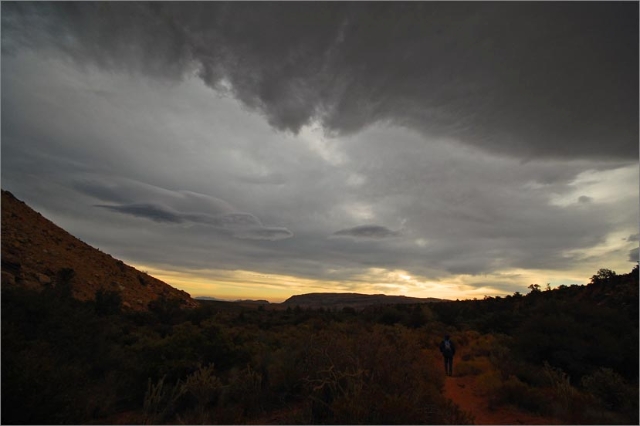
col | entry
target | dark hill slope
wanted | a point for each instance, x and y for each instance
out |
(37, 253)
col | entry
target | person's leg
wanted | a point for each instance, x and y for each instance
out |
(451, 366)
(446, 365)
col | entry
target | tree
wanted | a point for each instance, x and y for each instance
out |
(603, 275)
(535, 288)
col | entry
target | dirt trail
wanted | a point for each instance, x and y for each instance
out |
(464, 393)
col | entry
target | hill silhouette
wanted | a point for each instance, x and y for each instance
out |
(352, 300)
(36, 253)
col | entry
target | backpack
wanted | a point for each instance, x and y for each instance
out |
(448, 350)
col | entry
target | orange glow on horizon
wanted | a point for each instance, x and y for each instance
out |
(242, 284)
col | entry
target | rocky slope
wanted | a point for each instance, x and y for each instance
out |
(37, 253)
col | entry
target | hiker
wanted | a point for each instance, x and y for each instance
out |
(448, 351)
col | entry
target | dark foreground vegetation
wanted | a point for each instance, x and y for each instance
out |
(570, 353)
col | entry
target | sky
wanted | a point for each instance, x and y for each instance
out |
(262, 150)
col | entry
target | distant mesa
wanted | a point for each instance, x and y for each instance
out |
(215, 299)
(257, 302)
(37, 253)
(353, 300)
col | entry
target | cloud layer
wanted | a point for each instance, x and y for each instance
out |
(394, 147)
(183, 207)
(367, 231)
(524, 79)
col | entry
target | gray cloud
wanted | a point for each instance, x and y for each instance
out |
(148, 211)
(633, 255)
(367, 231)
(401, 122)
(213, 212)
(271, 234)
(482, 73)
(634, 237)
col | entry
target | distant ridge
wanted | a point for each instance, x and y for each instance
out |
(354, 300)
(35, 252)
(215, 299)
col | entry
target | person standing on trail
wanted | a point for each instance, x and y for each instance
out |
(448, 350)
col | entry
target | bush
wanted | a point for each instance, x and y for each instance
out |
(513, 391)
(609, 388)
(488, 383)
(108, 302)
(160, 401)
(374, 377)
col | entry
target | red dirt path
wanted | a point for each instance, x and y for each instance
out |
(463, 392)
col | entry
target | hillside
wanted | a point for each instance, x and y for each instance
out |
(37, 253)
(353, 300)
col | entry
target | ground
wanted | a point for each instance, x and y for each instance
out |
(463, 392)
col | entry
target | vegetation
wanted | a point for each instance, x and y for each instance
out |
(569, 352)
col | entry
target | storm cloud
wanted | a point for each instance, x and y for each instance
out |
(379, 147)
(367, 231)
(532, 80)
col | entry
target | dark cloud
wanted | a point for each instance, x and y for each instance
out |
(634, 237)
(271, 234)
(190, 208)
(633, 255)
(419, 97)
(147, 211)
(367, 231)
(526, 79)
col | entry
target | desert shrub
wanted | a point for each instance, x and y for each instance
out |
(482, 345)
(285, 370)
(199, 394)
(203, 385)
(530, 374)
(62, 281)
(488, 383)
(56, 354)
(142, 280)
(450, 414)
(464, 338)
(568, 403)
(513, 391)
(245, 391)
(374, 377)
(608, 387)
(107, 302)
(391, 315)
(561, 383)
(65, 275)
(166, 310)
(160, 401)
